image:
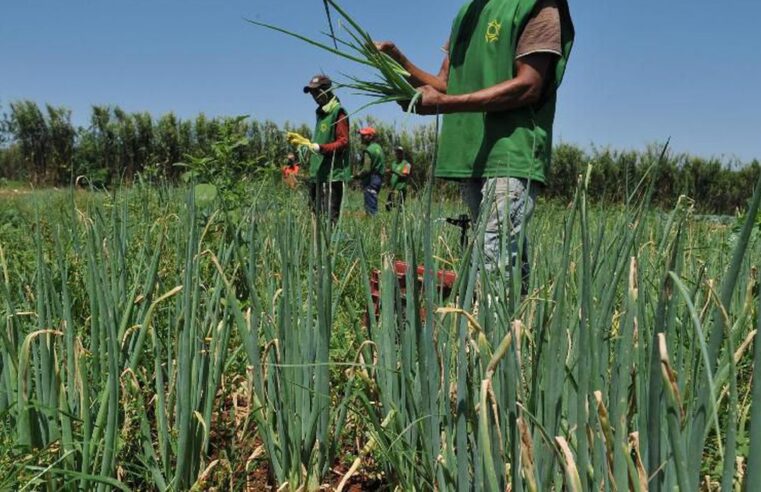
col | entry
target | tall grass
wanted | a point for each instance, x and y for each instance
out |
(92, 362)
(146, 343)
(604, 375)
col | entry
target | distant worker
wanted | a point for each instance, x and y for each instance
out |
(291, 170)
(329, 164)
(374, 163)
(400, 171)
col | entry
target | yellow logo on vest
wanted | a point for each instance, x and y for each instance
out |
(493, 30)
(324, 127)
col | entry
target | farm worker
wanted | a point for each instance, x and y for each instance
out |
(329, 165)
(497, 89)
(291, 170)
(373, 167)
(400, 171)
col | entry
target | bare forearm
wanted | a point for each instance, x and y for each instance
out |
(508, 95)
(525, 89)
(419, 77)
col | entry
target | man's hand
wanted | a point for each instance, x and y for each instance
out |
(417, 76)
(430, 102)
(390, 49)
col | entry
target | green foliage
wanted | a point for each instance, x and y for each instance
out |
(4, 128)
(31, 132)
(224, 171)
(118, 147)
(61, 140)
(145, 344)
(9, 164)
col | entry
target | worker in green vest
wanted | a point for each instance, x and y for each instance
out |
(497, 89)
(329, 164)
(399, 171)
(374, 163)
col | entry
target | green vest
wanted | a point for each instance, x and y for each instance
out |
(377, 159)
(398, 177)
(329, 167)
(515, 143)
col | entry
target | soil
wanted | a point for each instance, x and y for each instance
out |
(259, 480)
(233, 439)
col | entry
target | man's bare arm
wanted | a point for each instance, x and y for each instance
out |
(525, 89)
(418, 76)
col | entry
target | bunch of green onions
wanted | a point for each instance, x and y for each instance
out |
(391, 83)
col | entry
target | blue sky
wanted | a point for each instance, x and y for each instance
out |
(640, 72)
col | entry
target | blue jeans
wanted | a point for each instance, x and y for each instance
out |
(372, 188)
(512, 205)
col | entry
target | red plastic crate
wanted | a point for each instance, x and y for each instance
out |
(445, 280)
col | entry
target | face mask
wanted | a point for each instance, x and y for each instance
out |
(330, 106)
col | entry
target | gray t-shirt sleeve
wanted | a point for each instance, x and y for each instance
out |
(542, 33)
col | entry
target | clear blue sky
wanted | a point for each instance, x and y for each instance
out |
(640, 72)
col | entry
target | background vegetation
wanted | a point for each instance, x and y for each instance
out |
(43, 147)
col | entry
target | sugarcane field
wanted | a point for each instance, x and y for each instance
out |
(254, 246)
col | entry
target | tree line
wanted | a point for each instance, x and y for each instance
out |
(42, 146)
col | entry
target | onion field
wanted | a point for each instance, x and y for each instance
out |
(155, 341)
